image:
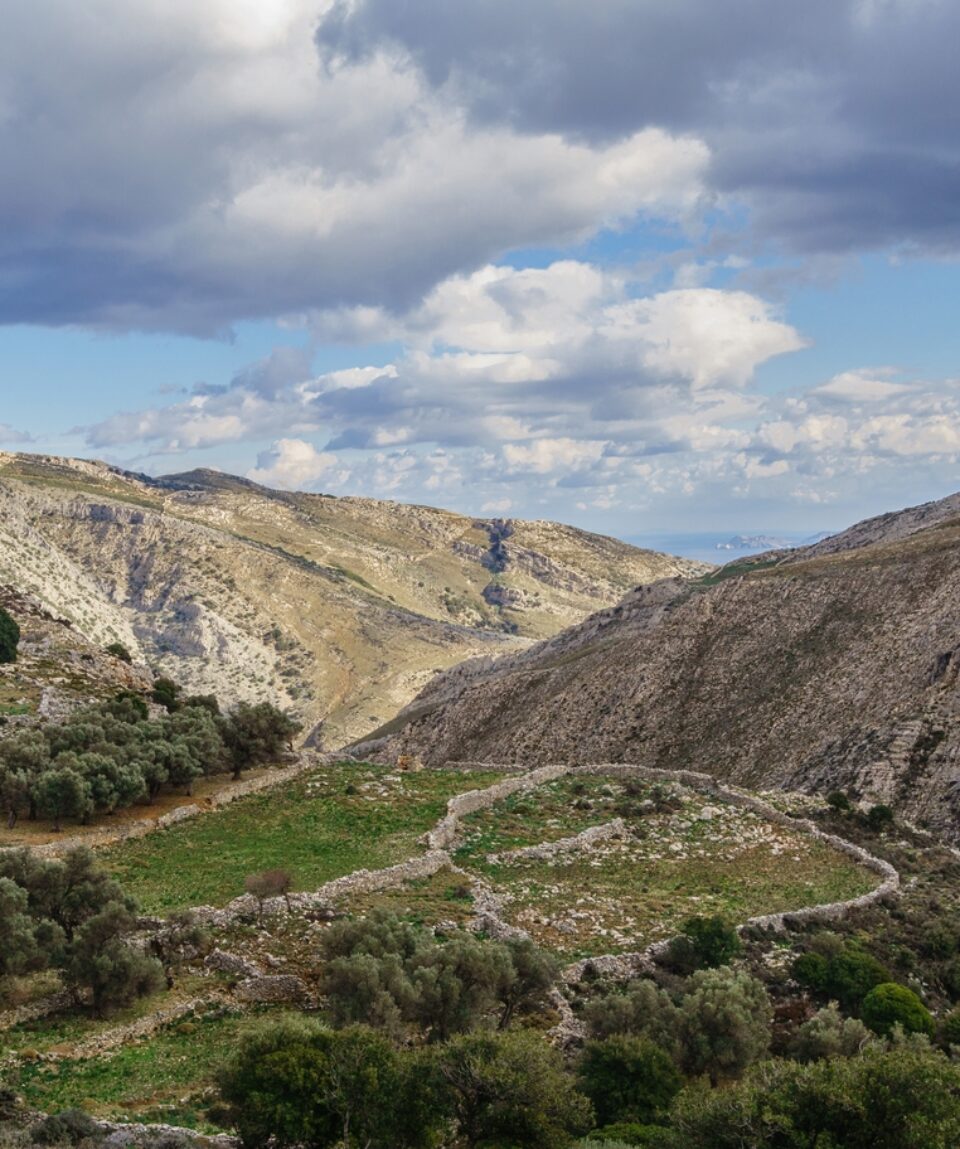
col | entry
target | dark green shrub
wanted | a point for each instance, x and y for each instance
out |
(715, 940)
(847, 976)
(838, 801)
(939, 942)
(628, 1079)
(812, 970)
(890, 1004)
(9, 637)
(879, 818)
(67, 1128)
(851, 975)
(118, 650)
(165, 693)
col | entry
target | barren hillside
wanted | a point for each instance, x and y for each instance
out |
(831, 666)
(341, 609)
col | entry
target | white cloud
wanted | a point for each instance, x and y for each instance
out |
(293, 464)
(556, 353)
(862, 386)
(704, 335)
(544, 456)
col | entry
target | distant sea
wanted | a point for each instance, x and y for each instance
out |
(703, 545)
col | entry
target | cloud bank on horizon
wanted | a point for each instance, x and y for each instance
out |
(558, 247)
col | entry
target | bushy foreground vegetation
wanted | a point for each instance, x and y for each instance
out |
(112, 755)
(71, 916)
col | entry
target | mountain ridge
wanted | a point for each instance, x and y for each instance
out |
(340, 609)
(833, 666)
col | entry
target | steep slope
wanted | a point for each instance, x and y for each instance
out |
(835, 665)
(340, 609)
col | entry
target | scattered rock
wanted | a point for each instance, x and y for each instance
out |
(272, 988)
(231, 963)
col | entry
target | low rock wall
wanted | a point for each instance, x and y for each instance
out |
(615, 829)
(445, 833)
(703, 783)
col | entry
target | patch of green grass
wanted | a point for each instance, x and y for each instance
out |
(444, 897)
(554, 810)
(76, 1025)
(621, 894)
(164, 1079)
(12, 708)
(327, 823)
(735, 570)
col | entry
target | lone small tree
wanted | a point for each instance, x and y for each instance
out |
(269, 884)
(9, 637)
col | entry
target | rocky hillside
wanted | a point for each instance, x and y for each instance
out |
(57, 668)
(831, 666)
(340, 609)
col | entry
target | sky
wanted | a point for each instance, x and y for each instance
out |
(638, 265)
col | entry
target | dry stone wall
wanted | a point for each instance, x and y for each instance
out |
(703, 783)
(489, 907)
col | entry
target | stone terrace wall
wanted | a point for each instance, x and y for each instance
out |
(703, 783)
(444, 834)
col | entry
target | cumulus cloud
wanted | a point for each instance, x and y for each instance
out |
(834, 119)
(555, 360)
(199, 164)
(294, 464)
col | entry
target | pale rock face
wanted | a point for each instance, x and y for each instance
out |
(833, 666)
(340, 610)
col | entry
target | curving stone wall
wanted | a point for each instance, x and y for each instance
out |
(445, 833)
(543, 853)
(703, 783)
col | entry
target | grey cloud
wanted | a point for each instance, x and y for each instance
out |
(12, 436)
(189, 166)
(599, 69)
(838, 121)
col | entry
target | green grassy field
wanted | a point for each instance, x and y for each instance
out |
(325, 824)
(554, 810)
(164, 1079)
